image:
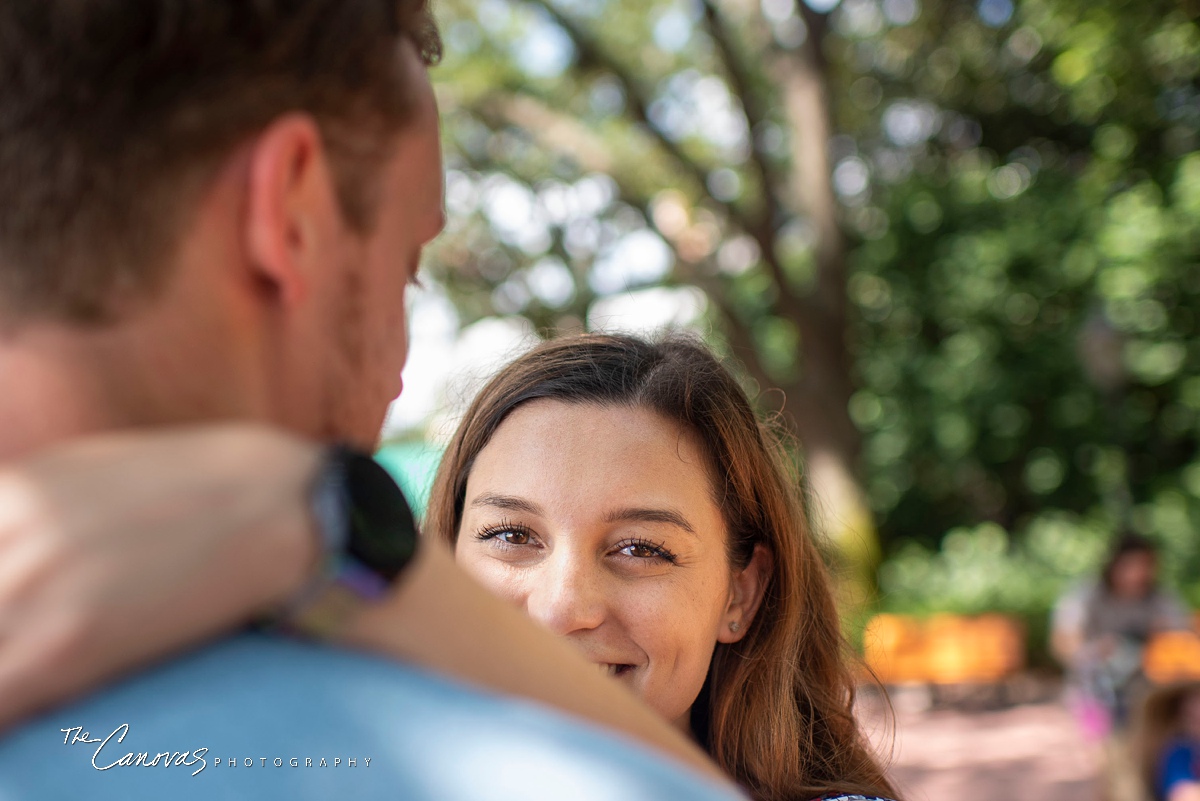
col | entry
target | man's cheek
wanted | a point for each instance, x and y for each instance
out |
(395, 356)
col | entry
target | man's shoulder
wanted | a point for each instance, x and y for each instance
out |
(261, 717)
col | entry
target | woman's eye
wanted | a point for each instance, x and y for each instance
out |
(645, 550)
(513, 537)
(507, 534)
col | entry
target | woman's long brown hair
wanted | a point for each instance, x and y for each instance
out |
(776, 712)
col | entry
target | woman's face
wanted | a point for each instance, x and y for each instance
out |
(600, 523)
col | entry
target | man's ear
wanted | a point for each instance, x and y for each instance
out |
(747, 589)
(290, 197)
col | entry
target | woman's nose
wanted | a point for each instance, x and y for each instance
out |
(567, 595)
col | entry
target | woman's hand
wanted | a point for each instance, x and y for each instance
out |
(120, 549)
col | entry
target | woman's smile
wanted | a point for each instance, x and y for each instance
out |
(600, 523)
(625, 495)
(615, 670)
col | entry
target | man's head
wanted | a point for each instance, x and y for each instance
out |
(266, 167)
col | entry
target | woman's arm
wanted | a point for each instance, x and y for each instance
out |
(123, 549)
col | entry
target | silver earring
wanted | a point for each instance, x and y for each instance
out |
(735, 627)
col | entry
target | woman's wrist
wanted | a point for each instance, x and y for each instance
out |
(123, 548)
(279, 536)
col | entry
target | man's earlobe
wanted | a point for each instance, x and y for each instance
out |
(289, 192)
(749, 586)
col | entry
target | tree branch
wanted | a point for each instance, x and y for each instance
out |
(755, 111)
(558, 132)
(742, 83)
(592, 52)
(740, 337)
(804, 79)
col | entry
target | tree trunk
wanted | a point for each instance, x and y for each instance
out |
(819, 404)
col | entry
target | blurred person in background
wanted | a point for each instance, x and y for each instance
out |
(1168, 741)
(624, 495)
(1099, 633)
(1100, 628)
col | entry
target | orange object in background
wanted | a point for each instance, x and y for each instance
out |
(893, 647)
(1172, 656)
(945, 649)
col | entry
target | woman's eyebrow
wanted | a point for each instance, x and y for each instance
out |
(638, 515)
(510, 502)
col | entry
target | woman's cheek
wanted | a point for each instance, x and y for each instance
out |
(494, 575)
(667, 618)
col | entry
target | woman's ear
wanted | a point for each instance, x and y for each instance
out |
(748, 586)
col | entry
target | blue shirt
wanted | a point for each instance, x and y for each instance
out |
(259, 717)
(1180, 763)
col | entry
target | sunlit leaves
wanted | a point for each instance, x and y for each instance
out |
(1021, 188)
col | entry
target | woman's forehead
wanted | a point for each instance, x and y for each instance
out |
(553, 424)
(587, 454)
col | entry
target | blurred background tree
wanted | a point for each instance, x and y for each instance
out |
(953, 243)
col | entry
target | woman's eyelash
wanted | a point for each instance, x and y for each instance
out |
(657, 548)
(494, 531)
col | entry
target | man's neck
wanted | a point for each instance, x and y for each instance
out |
(61, 383)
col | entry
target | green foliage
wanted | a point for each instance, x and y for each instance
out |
(1021, 192)
(1027, 327)
(984, 569)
